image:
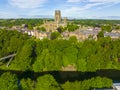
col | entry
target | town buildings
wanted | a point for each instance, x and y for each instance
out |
(82, 33)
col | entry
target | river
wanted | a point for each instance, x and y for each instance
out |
(63, 76)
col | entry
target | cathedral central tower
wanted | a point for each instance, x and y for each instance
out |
(57, 16)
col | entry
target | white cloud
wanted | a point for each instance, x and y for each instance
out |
(74, 0)
(26, 3)
(91, 5)
(105, 1)
(88, 4)
(80, 9)
(94, 1)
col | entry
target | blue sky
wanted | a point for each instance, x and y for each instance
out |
(108, 9)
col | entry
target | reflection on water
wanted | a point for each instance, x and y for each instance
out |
(63, 76)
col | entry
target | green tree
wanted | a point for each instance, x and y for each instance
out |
(107, 28)
(24, 57)
(81, 65)
(27, 84)
(100, 34)
(117, 27)
(42, 29)
(73, 39)
(71, 86)
(69, 55)
(54, 35)
(8, 81)
(47, 82)
(72, 27)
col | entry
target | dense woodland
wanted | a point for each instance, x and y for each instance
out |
(51, 55)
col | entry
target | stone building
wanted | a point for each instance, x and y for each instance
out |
(53, 25)
(41, 35)
(80, 36)
(38, 34)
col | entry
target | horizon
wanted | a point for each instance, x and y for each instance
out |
(73, 9)
(108, 19)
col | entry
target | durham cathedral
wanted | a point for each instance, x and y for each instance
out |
(53, 25)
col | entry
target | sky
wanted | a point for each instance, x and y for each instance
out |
(82, 9)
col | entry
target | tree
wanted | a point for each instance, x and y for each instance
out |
(27, 84)
(24, 57)
(11, 41)
(61, 29)
(89, 84)
(73, 39)
(69, 55)
(81, 65)
(72, 27)
(107, 28)
(42, 29)
(54, 35)
(8, 81)
(47, 82)
(72, 86)
(100, 34)
(117, 27)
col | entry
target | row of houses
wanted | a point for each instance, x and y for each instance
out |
(38, 34)
(113, 35)
(79, 34)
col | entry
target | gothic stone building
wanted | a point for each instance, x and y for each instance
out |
(52, 26)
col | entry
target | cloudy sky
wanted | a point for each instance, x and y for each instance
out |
(69, 8)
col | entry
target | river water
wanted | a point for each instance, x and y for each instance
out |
(62, 77)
